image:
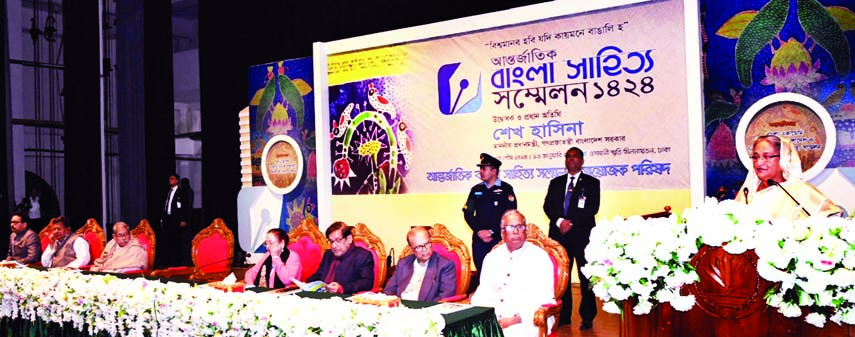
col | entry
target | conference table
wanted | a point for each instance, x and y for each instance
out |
(469, 321)
(472, 321)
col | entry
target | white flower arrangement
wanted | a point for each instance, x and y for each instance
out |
(137, 307)
(812, 261)
(643, 260)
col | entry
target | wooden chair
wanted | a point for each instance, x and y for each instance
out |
(308, 242)
(561, 269)
(44, 235)
(561, 274)
(213, 254)
(44, 238)
(363, 237)
(95, 236)
(451, 247)
(145, 235)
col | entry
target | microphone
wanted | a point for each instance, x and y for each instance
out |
(771, 182)
(390, 257)
(745, 194)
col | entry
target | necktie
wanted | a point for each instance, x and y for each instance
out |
(568, 194)
(168, 197)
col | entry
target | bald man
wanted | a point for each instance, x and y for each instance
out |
(123, 253)
(422, 276)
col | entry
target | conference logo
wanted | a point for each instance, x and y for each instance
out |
(451, 89)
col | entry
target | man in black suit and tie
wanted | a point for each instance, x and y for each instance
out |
(571, 203)
(173, 238)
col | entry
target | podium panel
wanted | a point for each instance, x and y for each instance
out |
(729, 303)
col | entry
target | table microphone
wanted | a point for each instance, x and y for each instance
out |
(197, 268)
(745, 194)
(771, 182)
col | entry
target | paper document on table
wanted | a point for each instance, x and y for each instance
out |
(447, 308)
(12, 264)
(316, 286)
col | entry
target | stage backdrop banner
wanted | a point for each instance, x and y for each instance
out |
(413, 118)
(282, 134)
(780, 67)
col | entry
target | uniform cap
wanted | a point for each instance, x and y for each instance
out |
(488, 160)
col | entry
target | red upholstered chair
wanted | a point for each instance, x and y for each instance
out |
(95, 236)
(451, 247)
(307, 241)
(561, 273)
(363, 237)
(44, 235)
(213, 254)
(44, 238)
(145, 235)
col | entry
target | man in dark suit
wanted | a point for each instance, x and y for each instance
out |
(422, 276)
(173, 239)
(571, 203)
(345, 268)
(24, 244)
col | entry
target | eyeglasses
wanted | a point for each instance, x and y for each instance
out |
(14, 222)
(121, 235)
(422, 247)
(511, 228)
(766, 157)
(338, 241)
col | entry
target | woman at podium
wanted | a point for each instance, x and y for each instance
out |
(774, 182)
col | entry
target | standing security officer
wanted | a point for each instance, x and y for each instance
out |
(484, 207)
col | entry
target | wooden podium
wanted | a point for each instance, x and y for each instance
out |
(729, 303)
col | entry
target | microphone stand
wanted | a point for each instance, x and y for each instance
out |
(197, 268)
(775, 183)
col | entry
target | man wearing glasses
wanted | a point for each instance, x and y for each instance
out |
(123, 253)
(572, 201)
(517, 279)
(24, 245)
(66, 249)
(345, 268)
(422, 276)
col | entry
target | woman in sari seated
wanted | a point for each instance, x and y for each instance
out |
(277, 266)
(776, 162)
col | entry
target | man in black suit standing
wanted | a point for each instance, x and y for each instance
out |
(172, 239)
(571, 203)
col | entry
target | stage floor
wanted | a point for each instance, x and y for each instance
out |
(605, 325)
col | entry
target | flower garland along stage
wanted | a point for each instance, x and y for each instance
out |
(811, 261)
(137, 307)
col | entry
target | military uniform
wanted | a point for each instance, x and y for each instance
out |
(484, 208)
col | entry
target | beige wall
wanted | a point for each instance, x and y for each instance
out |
(390, 216)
